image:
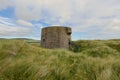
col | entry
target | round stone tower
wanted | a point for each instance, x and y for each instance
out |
(56, 37)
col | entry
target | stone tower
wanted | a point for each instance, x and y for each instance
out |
(56, 37)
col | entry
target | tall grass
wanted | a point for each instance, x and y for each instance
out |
(97, 60)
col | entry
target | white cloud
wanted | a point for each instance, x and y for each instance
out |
(112, 27)
(6, 21)
(43, 9)
(93, 17)
(13, 31)
(9, 28)
(24, 23)
(4, 4)
(39, 25)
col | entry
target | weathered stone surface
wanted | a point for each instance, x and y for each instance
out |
(56, 37)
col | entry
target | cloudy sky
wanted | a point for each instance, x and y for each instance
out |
(89, 19)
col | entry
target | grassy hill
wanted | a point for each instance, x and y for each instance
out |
(94, 60)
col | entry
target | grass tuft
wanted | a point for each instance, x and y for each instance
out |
(96, 60)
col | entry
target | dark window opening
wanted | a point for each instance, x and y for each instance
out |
(69, 43)
(43, 40)
(69, 33)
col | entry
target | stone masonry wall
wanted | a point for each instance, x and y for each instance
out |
(56, 37)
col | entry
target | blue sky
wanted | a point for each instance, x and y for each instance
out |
(89, 19)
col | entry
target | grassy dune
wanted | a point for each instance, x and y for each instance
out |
(95, 60)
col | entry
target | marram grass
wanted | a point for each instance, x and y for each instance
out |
(97, 60)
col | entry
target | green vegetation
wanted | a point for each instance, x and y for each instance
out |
(94, 60)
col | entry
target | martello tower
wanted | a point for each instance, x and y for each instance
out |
(56, 37)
